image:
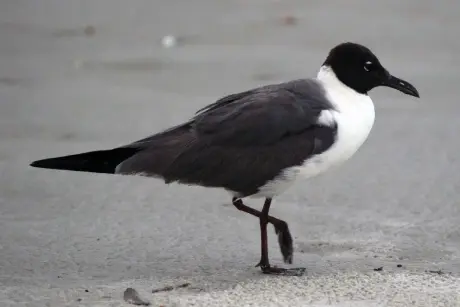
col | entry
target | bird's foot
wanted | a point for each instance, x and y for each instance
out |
(274, 270)
(285, 242)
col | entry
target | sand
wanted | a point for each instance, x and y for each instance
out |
(86, 75)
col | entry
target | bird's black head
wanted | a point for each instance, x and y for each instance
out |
(358, 68)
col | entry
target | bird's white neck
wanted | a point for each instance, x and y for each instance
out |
(329, 79)
(340, 94)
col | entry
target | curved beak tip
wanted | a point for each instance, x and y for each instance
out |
(401, 85)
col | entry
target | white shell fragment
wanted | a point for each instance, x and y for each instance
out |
(169, 41)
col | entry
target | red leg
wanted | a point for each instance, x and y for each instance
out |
(264, 262)
(281, 229)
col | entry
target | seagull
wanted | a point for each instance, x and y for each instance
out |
(257, 143)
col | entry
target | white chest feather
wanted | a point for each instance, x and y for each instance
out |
(354, 114)
(354, 118)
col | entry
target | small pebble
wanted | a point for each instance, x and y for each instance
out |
(90, 30)
(289, 20)
(439, 272)
(169, 41)
(131, 296)
(170, 288)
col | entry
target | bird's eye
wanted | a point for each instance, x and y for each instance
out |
(368, 66)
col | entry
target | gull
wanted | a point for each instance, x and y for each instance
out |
(257, 143)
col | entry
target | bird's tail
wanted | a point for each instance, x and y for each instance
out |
(102, 161)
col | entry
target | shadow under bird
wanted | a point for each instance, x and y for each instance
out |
(256, 143)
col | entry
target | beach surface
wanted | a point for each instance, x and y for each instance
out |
(75, 76)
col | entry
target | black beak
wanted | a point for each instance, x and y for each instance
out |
(401, 85)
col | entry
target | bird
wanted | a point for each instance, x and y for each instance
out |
(256, 143)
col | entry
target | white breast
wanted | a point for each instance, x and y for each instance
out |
(354, 114)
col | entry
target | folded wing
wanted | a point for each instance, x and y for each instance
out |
(239, 142)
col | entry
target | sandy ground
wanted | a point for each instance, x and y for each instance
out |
(72, 239)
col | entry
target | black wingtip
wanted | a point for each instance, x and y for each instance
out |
(60, 163)
(102, 161)
(40, 164)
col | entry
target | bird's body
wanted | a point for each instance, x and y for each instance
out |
(257, 143)
(252, 145)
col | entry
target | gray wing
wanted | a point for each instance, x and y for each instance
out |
(240, 141)
(262, 116)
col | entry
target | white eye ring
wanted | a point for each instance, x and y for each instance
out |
(367, 64)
